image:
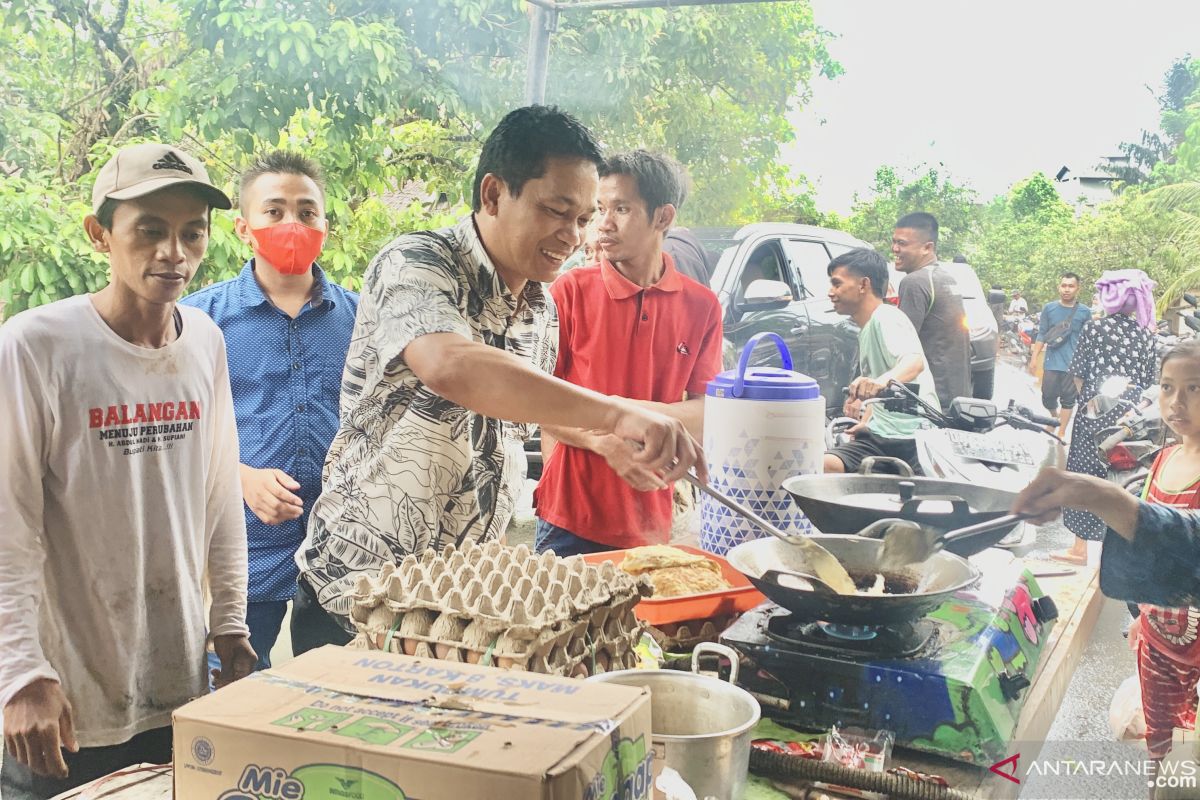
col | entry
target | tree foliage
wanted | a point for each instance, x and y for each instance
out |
(391, 98)
(1179, 87)
(873, 218)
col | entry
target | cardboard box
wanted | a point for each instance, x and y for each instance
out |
(342, 724)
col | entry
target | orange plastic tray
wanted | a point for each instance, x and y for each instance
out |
(741, 598)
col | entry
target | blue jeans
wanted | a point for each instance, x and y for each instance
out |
(563, 542)
(264, 621)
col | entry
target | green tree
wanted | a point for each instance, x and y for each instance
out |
(387, 96)
(891, 197)
(1176, 99)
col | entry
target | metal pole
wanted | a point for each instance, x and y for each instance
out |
(542, 23)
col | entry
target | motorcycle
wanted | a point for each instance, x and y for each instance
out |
(1135, 435)
(1191, 326)
(974, 441)
(1017, 335)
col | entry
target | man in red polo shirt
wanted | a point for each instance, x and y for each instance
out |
(633, 326)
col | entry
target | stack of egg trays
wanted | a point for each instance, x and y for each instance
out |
(498, 606)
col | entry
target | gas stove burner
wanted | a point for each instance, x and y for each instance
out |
(948, 683)
(853, 633)
(853, 642)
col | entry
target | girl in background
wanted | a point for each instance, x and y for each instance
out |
(1166, 639)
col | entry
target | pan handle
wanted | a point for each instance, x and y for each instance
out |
(720, 650)
(959, 509)
(867, 467)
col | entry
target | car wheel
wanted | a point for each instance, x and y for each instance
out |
(983, 383)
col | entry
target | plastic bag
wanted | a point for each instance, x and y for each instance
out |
(1125, 717)
(866, 750)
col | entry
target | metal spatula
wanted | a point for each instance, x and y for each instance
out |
(823, 564)
(906, 542)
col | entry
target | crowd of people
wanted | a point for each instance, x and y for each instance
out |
(272, 436)
(921, 340)
(268, 438)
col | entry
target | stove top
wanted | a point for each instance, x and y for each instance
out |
(852, 642)
(951, 683)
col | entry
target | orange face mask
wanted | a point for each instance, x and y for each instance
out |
(289, 247)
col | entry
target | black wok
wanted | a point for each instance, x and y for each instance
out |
(768, 562)
(845, 504)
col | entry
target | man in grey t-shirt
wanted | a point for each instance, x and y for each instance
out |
(931, 299)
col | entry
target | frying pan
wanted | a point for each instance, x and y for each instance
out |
(771, 566)
(845, 504)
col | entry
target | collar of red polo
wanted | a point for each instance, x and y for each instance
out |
(620, 288)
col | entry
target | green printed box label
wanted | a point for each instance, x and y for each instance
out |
(373, 730)
(312, 782)
(442, 740)
(311, 719)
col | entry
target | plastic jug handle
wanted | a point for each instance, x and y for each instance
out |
(739, 385)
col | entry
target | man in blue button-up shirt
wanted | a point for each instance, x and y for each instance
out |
(287, 330)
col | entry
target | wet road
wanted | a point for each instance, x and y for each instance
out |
(1106, 661)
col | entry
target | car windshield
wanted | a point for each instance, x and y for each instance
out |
(721, 241)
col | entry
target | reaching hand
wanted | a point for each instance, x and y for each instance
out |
(237, 657)
(864, 388)
(268, 493)
(667, 449)
(38, 725)
(621, 457)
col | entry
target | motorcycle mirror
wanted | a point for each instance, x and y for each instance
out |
(1114, 386)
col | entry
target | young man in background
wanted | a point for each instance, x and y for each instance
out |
(1069, 316)
(630, 326)
(287, 329)
(931, 300)
(888, 349)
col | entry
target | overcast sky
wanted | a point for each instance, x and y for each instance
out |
(994, 91)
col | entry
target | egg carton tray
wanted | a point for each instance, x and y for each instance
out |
(501, 588)
(493, 605)
(572, 652)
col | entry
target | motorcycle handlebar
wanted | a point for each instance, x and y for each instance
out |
(1038, 419)
(1115, 439)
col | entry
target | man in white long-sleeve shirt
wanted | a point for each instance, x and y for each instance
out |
(118, 490)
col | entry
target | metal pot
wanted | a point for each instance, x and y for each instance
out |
(771, 566)
(700, 726)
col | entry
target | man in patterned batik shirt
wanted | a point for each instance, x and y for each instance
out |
(451, 362)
